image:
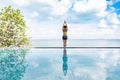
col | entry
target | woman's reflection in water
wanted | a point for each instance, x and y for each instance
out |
(65, 59)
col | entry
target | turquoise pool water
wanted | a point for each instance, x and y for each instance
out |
(60, 64)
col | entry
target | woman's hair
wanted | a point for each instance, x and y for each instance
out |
(64, 26)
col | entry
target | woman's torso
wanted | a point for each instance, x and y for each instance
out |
(64, 31)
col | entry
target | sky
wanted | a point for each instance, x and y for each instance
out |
(86, 19)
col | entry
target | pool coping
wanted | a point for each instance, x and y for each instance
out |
(78, 47)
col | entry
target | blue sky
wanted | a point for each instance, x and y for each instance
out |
(87, 19)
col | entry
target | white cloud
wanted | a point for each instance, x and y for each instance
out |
(115, 27)
(34, 14)
(62, 7)
(21, 2)
(38, 30)
(107, 32)
(90, 5)
(112, 18)
(78, 31)
(102, 14)
(109, 24)
(108, 18)
(57, 8)
(103, 23)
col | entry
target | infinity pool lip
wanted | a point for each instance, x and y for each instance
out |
(79, 47)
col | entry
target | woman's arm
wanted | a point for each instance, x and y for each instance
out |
(62, 28)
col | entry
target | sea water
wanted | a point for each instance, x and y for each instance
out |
(76, 43)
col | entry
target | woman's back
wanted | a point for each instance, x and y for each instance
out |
(64, 29)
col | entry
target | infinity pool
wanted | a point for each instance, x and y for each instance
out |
(60, 64)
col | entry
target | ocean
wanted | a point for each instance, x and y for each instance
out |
(76, 43)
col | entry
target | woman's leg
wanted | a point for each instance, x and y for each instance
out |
(64, 43)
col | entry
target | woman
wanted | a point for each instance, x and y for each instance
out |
(64, 29)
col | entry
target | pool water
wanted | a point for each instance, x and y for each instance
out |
(60, 64)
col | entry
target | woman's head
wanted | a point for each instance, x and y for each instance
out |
(65, 24)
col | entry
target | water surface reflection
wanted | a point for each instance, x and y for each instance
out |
(46, 64)
(65, 59)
